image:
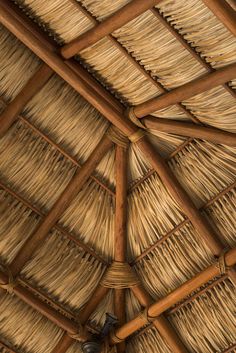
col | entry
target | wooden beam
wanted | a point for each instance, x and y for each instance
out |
(60, 205)
(186, 91)
(192, 130)
(224, 12)
(110, 24)
(175, 296)
(66, 341)
(121, 230)
(161, 323)
(35, 83)
(7, 348)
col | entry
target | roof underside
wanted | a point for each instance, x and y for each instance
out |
(168, 210)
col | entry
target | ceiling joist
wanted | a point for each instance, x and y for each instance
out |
(176, 295)
(110, 24)
(191, 130)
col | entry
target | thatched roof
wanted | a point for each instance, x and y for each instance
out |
(117, 175)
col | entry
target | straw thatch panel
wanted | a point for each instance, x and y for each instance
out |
(55, 134)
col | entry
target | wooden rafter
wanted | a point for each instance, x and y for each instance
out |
(194, 53)
(60, 149)
(67, 234)
(161, 323)
(175, 296)
(192, 130)
(60, 205)
(188, 90)
(35, 83)
(113, 22)
(224, 12)
(120, 230)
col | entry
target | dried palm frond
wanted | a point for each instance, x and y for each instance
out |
(208, 323)
(146, 341)
(20, 325)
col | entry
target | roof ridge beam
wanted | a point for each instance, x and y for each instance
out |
(124, 15)
(191, 130)
(15, 107)
(224, 12)
(73, 187)
(176, 295)
(186, 91)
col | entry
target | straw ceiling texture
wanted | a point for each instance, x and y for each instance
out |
(56, 132)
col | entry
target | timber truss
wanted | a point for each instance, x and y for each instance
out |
(60, 61)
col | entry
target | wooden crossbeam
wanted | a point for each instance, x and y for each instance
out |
(192, 130)
(224, 12)
(161, 323)
(110, 24)
(186, 91)
(175, 296)
(60, 205)
(35, 83)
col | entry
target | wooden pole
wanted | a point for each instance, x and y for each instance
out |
(60, 205)
(120, 230)
(161, 323)
(188, 90)
(224, 12)
(175, 296)
(110, 24)
(35, 83)
(192, 130)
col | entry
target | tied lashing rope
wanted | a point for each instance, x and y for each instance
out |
(140, 133)
(116, 136)
(9, 287)
(221, 264)
(119, 276)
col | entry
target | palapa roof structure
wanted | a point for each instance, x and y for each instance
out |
(118, 175)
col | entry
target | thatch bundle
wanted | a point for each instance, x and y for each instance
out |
(57, 131)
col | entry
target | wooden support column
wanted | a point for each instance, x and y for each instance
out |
(60, 205)
(66, 341)
(110, 24)
(161, 323)
(191, 130)
(186, 91)
(224, 12)
(35, 83)
(175, 296)
(120, 230)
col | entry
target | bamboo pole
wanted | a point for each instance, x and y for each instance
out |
(191, 130)
(35, 83)
(161, 323)
(120, 230)
(224, 12)
(188, 90)
(60, 205)
(110, 24)
(175, 296)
